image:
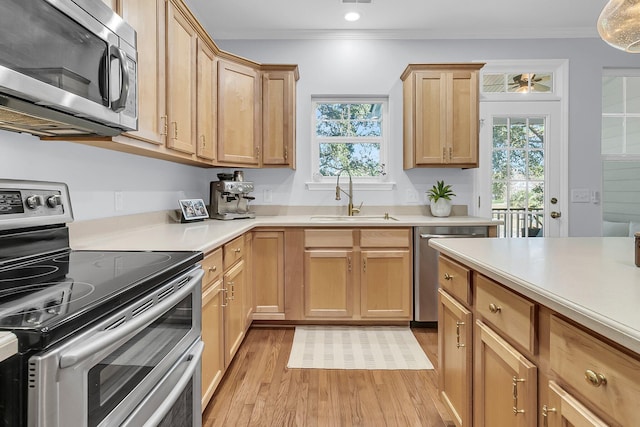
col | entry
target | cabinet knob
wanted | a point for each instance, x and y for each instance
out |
(447, 276)
(237, 250)
(494, 308)
(594, 378)
(213, 268)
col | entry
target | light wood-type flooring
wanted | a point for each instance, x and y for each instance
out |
(259, 390)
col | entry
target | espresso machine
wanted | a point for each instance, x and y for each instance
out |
(230, 197)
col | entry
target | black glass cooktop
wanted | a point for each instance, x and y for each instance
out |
(44, 300)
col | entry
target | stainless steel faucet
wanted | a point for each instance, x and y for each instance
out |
(350, 209)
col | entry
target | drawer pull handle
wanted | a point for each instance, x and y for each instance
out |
(515, 381)
(236, 250)
(494, 308)
(447, 276)
(212, 269)
(594, 378)
(458, 324)
(545, 414)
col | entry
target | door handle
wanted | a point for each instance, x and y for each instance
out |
(556, 215)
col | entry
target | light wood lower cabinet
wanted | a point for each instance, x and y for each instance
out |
(234, 314)
(455, 345)
(565, 410)
(505, 389)
(268, 274)
(328, 283)
(213, 337)
(358, 274)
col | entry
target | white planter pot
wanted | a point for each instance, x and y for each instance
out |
(441, 208)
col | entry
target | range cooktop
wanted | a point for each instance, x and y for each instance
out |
(45, 299)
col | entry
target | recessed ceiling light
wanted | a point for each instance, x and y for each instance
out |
(352, 16)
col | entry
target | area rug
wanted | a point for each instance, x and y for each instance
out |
(346, 347)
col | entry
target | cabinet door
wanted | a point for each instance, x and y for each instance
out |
(206, 102)
(248, 290)
(385, 288)
(505, 386)
(462, 116)
(213, 338)
(238, 114)
(268, 274)
(328, 283)
(564, 410)
(235, 317)
(278, 118)
(431, 118)
(147, 17)
(455, 357)
(181, 81)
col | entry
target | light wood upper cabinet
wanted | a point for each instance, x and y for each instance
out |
(148, 19)
(206, 101)
(455, 355)
(239, 117)
(279, 115)
(181, 81)
(441, 115)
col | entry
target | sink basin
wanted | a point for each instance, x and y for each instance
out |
(355, 218)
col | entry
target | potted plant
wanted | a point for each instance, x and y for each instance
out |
(440, 197)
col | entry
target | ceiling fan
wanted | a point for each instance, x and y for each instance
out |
(521, 83)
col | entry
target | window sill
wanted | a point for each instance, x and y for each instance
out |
(360, 186)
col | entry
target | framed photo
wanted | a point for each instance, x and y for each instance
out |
(193, 209)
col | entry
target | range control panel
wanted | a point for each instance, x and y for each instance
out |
(33, 203)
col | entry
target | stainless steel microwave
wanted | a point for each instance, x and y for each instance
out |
(67, 67)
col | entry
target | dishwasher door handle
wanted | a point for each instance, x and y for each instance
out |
(447, 236)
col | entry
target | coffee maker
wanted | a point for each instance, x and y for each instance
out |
(230, 197)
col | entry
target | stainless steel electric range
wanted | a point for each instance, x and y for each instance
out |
(105, 337)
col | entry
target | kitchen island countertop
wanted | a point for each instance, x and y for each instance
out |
(591, 280)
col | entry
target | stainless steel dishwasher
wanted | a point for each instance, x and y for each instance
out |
(425, 264)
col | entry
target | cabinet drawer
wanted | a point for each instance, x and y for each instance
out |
(385, 238)
(608, 378)
(233, 251)
(506, 311)
(455, 278)
(337, 238)
(212, 266)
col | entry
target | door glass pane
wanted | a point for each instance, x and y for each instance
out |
(518, 175)
(633, 95)
(633, 135)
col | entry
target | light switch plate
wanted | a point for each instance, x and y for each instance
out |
(580, 195)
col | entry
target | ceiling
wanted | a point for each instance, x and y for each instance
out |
(398, 19)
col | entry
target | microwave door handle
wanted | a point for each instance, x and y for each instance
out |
(119, 104)
(106, 338)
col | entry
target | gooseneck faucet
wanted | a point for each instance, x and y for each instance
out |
(350, 209)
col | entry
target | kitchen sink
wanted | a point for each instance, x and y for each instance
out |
(355, 218)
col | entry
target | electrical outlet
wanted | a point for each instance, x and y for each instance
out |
(580, 195)
(118, 201)
(267, 196)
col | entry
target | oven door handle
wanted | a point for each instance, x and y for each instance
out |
(104, 339)
(163, 409)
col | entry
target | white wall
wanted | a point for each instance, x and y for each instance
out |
(374, 67)
(330, 67)
(94, 175)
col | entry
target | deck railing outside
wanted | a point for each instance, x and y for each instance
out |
(519, 222)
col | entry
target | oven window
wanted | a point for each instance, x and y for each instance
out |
(38, 40)
(181, 413)
(117, 375)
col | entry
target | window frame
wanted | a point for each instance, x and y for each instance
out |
(624, 73)
(319, 182)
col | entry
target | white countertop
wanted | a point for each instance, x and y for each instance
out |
(8, 345)
(592, 280)
(209, 234)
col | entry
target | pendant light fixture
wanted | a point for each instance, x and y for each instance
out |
(619, 25)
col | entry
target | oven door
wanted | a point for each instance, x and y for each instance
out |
(102, 376)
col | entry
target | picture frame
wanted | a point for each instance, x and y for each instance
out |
(193, 209)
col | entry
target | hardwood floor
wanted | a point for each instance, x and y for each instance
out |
(259, 390)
